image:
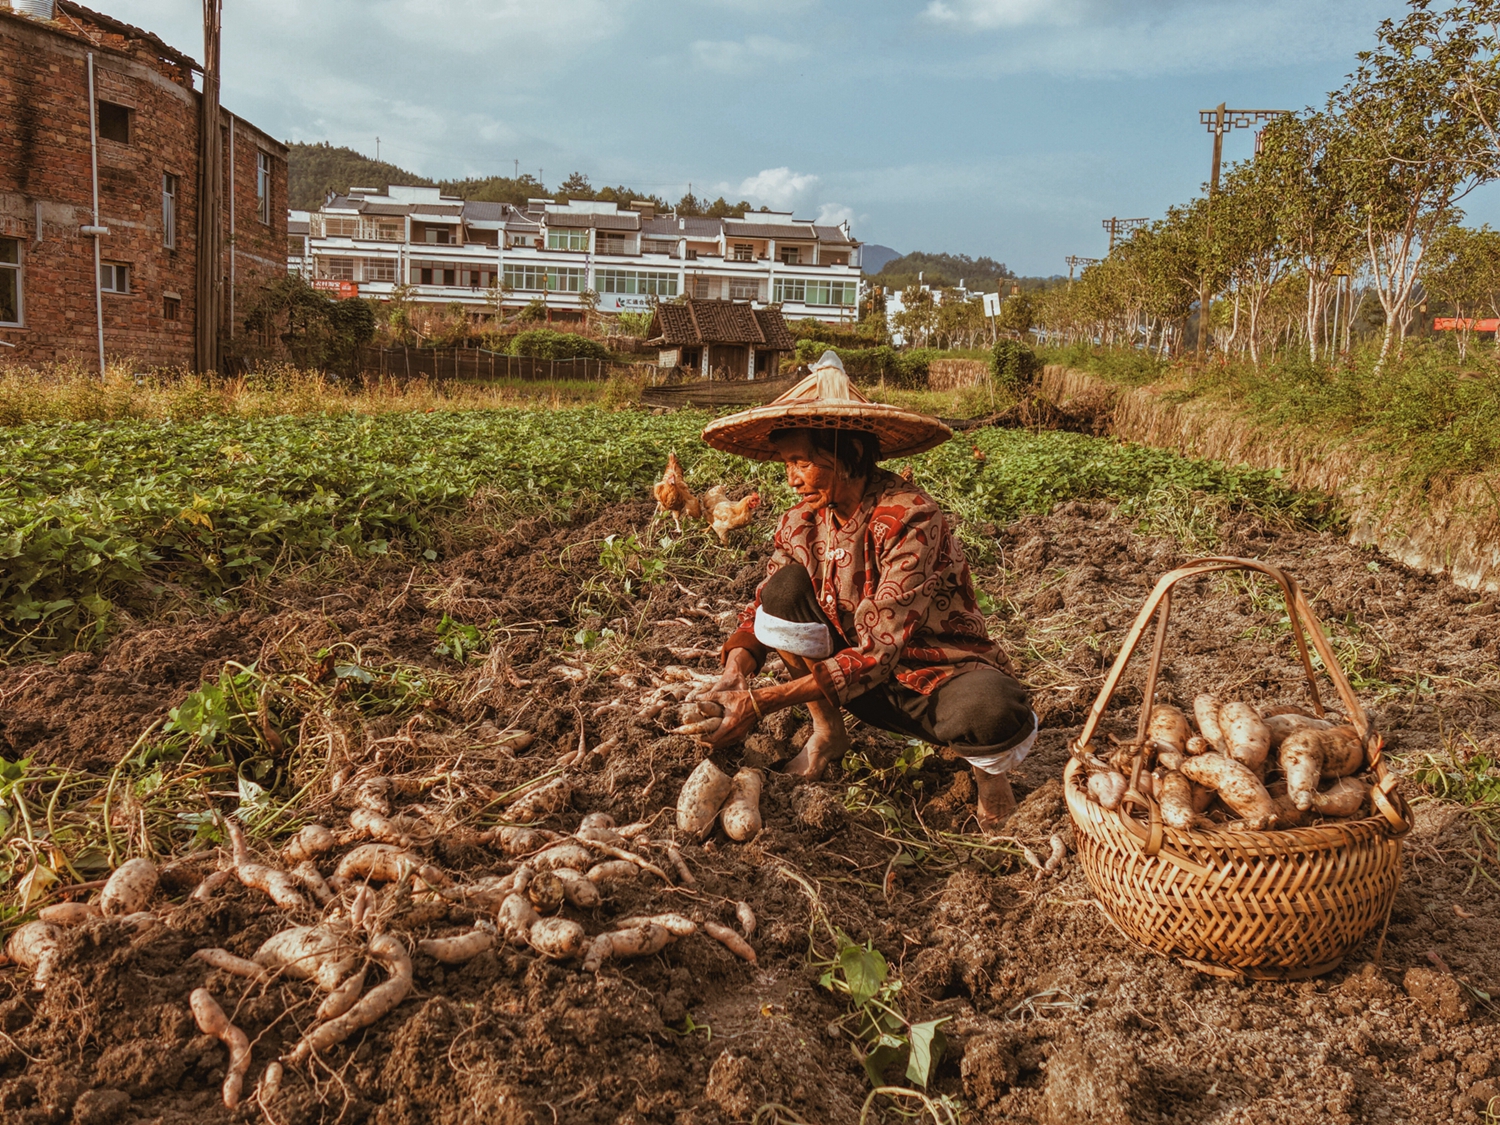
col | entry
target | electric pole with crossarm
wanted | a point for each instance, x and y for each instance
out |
(1220, 121)
(1117, 227)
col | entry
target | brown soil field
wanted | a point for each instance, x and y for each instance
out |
(1053, 1016)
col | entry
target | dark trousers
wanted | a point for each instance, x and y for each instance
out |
(978, 711)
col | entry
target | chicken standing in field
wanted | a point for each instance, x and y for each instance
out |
(726, 515)
(673, 495)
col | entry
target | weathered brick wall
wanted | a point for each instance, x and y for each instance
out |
(45, 174)
(259, 253)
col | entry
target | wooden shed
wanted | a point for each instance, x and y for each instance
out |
(721, 339)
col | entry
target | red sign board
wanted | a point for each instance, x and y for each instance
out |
(1454, 323)
(338, 290)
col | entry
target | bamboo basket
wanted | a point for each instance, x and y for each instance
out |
(1276, 905)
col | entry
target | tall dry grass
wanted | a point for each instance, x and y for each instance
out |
(64, 392)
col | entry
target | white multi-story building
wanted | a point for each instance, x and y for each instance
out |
(567, 254)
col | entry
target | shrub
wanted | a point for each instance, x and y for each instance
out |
(1014, 364)
(544, 343)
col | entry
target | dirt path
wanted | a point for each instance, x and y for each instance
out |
(1053, 1017)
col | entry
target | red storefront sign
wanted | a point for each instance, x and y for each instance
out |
(338, 290)
(1454, 323)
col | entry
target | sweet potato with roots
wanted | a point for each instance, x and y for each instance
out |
(514, 841)
(34, 946)
(1246, 738)
(387, 950)
(1236, 785)
(571, 855)
(730, 940)
(129, 887)
(640, 941)
(457, 950)
(1107, 788)
(515, 918)
(741, 812)
(227, 962)
(746, 917)
(387, 863)
(550, 797)
(545, 890)
(279, 885)
(578, 889)
(1289, 723)
(69, 913)
(557, 939)
(342, 998)
(308, 844)
(322, 954)
(702, 796)
(1311, 756)
(612, 874)
(211, 1020)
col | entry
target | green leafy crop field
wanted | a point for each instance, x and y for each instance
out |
(93, 515)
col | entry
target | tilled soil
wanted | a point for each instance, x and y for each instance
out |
(1053, 1016)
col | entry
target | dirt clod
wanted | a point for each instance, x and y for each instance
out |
(1090, 1079)
(1437, 993)
(734, 1085)
(103, 1106)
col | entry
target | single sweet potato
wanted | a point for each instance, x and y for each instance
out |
(386, 863)
(1206, 711)
(129, 888)
(227, 962)
(703, 794)
(211, 1020)
(69, 913)
(556, 938)
(342, 998)
(1236, 785)
(325, 954)
(578, 889)
(517, 841)
(746, 918)
(741, 812)
(309, 843)
(1246, 739)
(1168, 729)
(312, 881)
(639, 941)
(1176, 800)
(515, 918)
(1311, 756)
(729, 940)
(677, 925)
(571, 855)
(1345, 796)
(1107, 788)
(613, 873)
(545, 890)
(34, 946)
(597, 820)
(457, 950)
(551, 797)
(1282, 725)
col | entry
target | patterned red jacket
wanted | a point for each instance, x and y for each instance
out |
(895, 580)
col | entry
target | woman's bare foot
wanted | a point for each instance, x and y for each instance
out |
(821, 749)
(996, 800)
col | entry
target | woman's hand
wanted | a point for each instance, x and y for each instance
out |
(739, 666)
(738, 720)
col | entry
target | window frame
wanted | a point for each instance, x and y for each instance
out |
(16, 270)
(569, 235)
(522, 277)
(117, 270)
(263, 186)
(126, 114)
(170, 190)
(171, 309)
(744, 252)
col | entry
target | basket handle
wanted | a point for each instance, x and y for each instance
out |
(1302, 620)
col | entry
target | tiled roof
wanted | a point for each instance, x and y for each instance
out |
(298, 226)
(721, 322)
(834, 235)
(453, 209)
(483, 209)
(603, 222)
(366, 208)
(736, 229)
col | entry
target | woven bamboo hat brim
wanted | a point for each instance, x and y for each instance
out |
(825, 400)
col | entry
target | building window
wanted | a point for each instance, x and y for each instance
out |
(815, 292)
(379, 269)
(10, 281)
(637, 283)
(567, 239)
(439, 236)
(553, 279)
(339, 226)
(790, 289)
(263, 187)
(744, 290)
(744, 252)
(703, 288)
(169, 211)
(171, 308)
(790, 255)
(295, 248)
(114, 277)
(659, 246)
(114, 122)
(424, 276)
(450, 277)
(339, 269)
(611, 244)
(474, 281)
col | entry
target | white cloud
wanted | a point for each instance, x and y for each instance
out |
(832, 214)
(777, 187)
(754, 53)
(1142, 38)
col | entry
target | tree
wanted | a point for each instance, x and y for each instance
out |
(1247, 240)
(1416, 151)
(576, 184)
(918, 315)
(1017, 315)
(1463, 270)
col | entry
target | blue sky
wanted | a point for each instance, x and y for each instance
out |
(1001, 127)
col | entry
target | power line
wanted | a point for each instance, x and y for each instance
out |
(1117, 227)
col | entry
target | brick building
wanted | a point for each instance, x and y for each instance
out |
(146, 139)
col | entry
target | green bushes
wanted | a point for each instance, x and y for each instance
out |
(1014, 365)
(876, 365)
(544, 343)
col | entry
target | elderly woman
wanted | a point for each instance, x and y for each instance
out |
(867, 597)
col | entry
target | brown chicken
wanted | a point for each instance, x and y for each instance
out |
(726, 515)
(673, 495)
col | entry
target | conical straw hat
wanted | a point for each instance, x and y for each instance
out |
(825, 400)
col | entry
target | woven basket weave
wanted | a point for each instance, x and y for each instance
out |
(1280, 904)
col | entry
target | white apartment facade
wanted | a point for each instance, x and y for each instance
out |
(446, 250)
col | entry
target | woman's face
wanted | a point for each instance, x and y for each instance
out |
(813, 474)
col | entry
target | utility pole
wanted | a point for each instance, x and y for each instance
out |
(377, 150)
(210, 193)
(1117, 227)
(1219, 121)
(1074, 261)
